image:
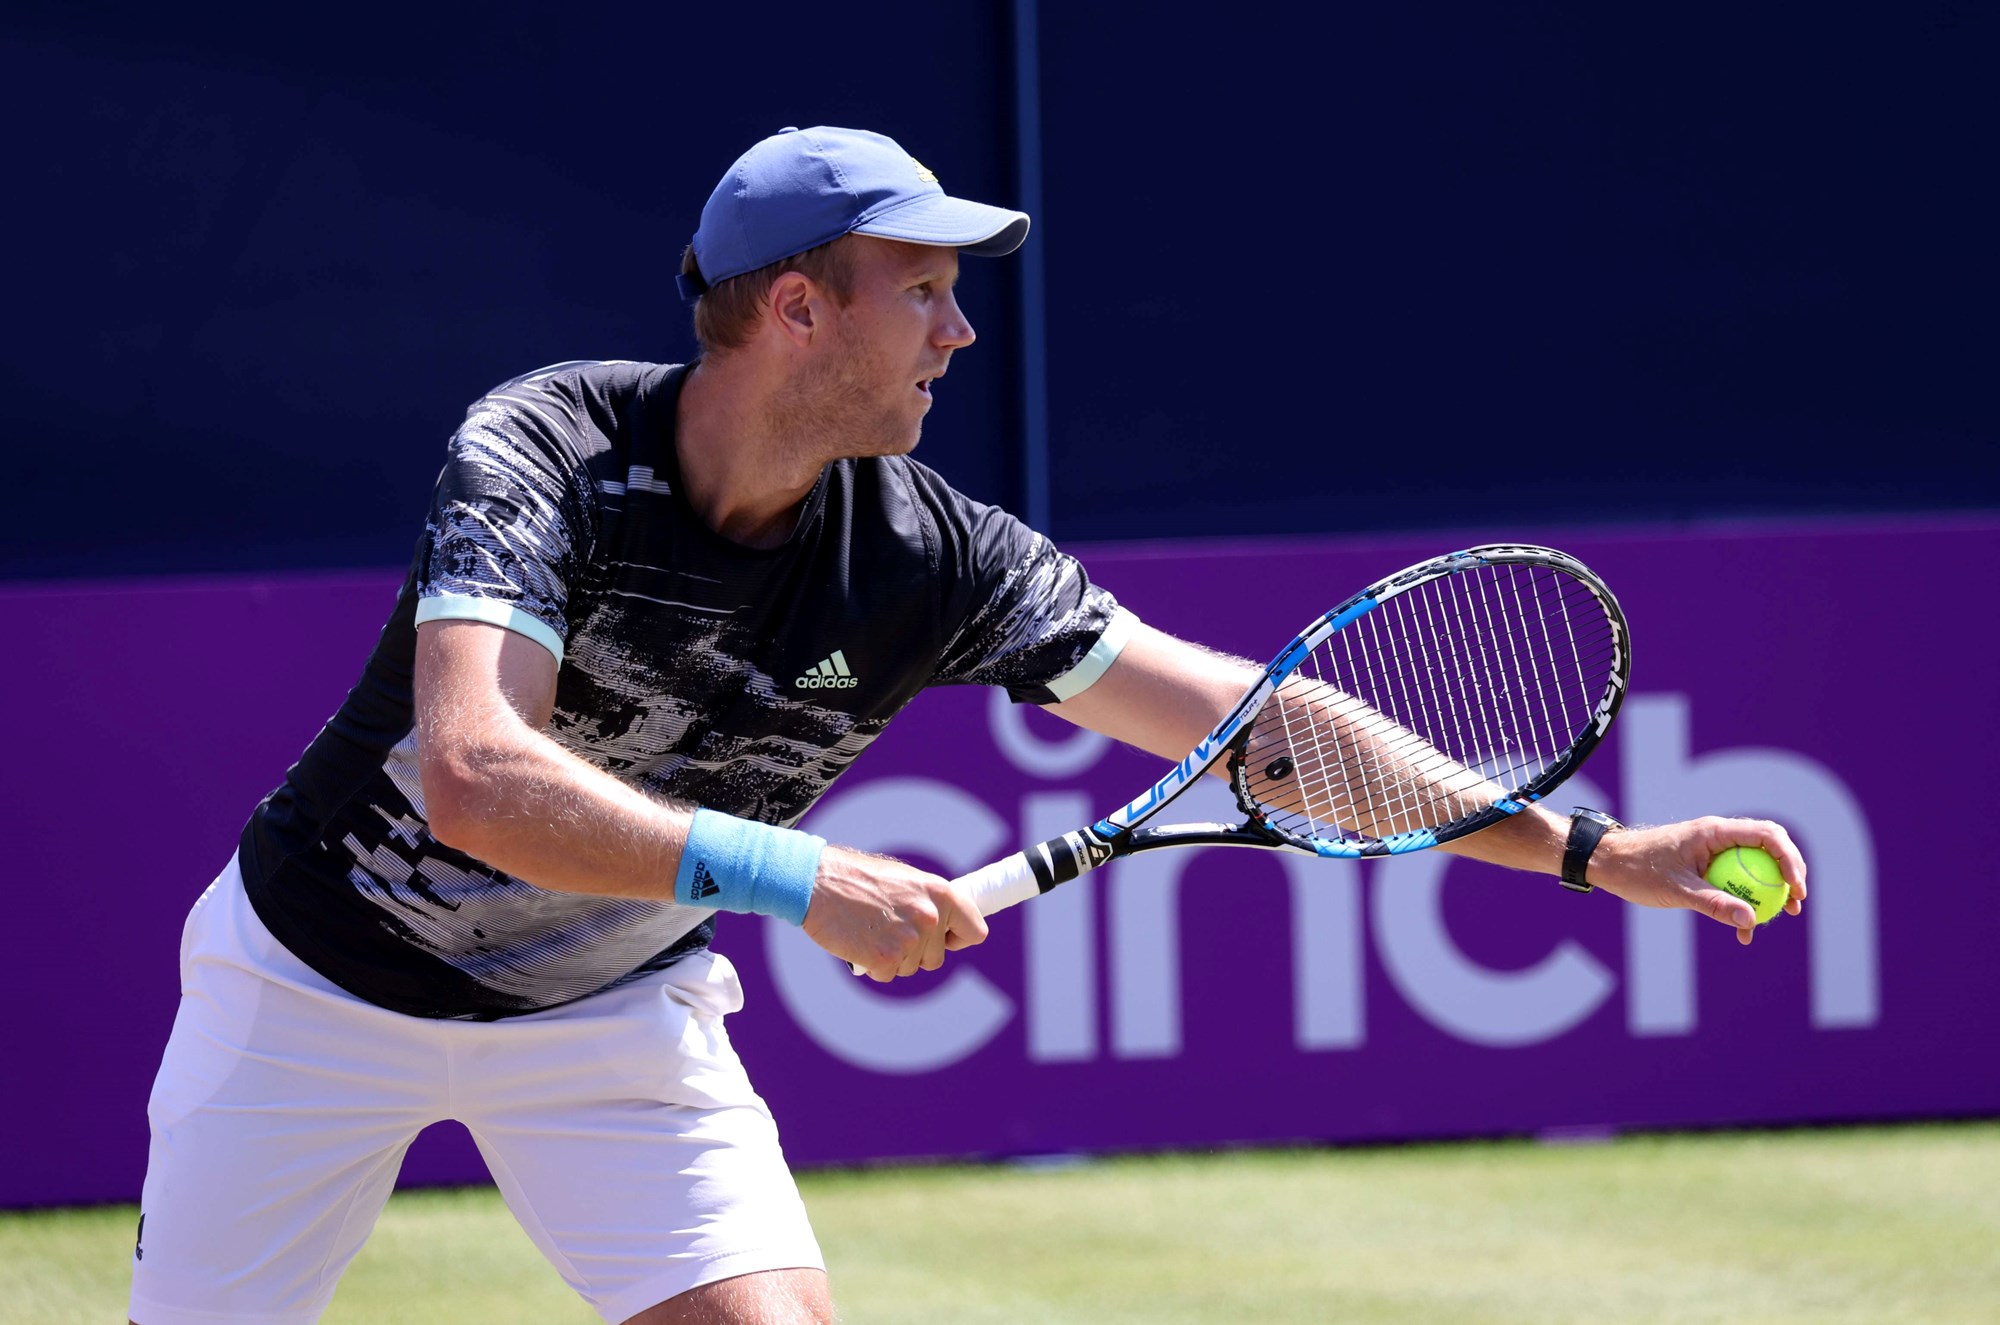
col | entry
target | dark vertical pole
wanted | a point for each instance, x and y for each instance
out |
(1034, 303)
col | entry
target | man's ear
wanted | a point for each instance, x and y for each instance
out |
(791, 302)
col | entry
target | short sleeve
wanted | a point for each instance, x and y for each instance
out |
(502, 541)
(1033, 620)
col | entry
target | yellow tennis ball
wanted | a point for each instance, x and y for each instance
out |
(1751, 874)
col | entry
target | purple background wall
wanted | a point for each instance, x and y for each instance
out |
(1778, 670)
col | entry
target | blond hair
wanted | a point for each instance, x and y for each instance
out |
(725, 316)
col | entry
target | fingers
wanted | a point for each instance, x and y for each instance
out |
(959, 925)
(1719, 836)
(908, 938)
(887, 919)
(1791, 862)
(1772, 837)
(964, 925)
(942, 922)
(1719, 905)
(887, 949)
(928, 954)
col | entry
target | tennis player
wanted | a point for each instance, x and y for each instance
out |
(656, 610)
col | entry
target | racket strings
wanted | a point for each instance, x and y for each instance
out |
(1455, 694)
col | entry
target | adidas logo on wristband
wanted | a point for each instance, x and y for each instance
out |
(703, 886)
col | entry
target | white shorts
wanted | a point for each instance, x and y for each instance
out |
(621, 1129)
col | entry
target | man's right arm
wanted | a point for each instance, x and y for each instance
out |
(1163, 694)
(497, 788)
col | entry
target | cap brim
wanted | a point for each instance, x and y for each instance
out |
(972, 227)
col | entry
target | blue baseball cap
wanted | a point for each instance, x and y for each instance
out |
(801, 188)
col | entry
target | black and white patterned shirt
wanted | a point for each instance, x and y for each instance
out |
(694, 668)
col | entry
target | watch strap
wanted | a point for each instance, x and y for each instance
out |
(1587, 828)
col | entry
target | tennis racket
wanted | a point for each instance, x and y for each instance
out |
(1430, 705)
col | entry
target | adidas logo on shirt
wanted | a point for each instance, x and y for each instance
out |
(830, 674)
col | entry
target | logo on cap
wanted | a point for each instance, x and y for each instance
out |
(923, 171)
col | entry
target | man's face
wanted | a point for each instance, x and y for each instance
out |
(872, 379)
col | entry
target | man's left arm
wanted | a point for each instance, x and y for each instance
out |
(1162, 695)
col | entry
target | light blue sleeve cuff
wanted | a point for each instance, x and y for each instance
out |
(464, 607)
(1098, 661)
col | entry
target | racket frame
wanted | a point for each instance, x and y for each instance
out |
(1121, 833)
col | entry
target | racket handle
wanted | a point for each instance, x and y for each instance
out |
(1004, 883)
(1033, 872)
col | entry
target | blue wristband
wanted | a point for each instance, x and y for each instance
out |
(732, 864)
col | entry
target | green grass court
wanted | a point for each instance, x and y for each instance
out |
(1874, 1225)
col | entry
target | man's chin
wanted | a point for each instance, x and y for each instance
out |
(899, 440)
(891, 433)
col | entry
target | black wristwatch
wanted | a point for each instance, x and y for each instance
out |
(1586, 828)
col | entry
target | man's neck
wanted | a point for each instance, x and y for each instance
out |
(742, 473)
